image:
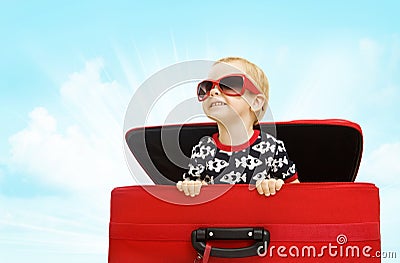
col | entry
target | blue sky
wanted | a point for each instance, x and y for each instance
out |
(68, 71)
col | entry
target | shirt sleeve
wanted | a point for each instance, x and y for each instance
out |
(281, 166)
(204, 151)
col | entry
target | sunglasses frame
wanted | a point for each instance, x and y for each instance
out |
(247, 85)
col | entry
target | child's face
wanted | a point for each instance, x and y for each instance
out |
(223, 108)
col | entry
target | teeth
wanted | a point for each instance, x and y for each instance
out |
(217, 104)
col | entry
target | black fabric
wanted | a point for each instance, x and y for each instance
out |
(322, 152)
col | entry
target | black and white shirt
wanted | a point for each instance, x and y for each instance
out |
(262, 157)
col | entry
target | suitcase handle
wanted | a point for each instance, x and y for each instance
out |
(259, 235)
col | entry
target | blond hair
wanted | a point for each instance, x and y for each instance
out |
(257, 76)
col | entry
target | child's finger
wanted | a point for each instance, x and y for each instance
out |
(197, 187)
(279, 184)
(259, 187)
(271, 186)
(191, 188)
(179, 185)
(265, 188)
(185, 187)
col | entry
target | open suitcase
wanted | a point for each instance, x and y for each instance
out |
(326, 218)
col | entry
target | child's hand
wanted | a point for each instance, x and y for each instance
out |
(269, 187)
(191, 188)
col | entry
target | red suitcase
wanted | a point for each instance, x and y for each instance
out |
(307, 222)
(310, 222)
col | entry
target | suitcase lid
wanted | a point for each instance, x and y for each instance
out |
(323, 150)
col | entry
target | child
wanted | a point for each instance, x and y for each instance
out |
(236, 97)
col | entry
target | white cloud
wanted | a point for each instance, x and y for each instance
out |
(340, 82)
(98, 106)
(382, 165)
(55, 229)
(370, 51)
(325, 88)
(82, 157)
(68, 159)
(88, 153)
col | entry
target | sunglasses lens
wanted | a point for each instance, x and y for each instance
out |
(203, 88)
(231, 85)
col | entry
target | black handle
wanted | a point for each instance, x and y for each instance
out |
(259, 235)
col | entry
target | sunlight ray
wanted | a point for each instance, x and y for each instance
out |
(139, 56)
(127, 69)
(174, 46)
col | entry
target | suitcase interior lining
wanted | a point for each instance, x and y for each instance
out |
(322, 151)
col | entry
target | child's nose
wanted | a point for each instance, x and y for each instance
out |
(215, 91)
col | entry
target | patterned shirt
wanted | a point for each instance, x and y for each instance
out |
(262, 157)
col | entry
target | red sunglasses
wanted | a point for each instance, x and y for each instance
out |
(230, 85)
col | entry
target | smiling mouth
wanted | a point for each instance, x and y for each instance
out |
(217, 104)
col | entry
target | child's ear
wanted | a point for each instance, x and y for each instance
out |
(257, 102)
